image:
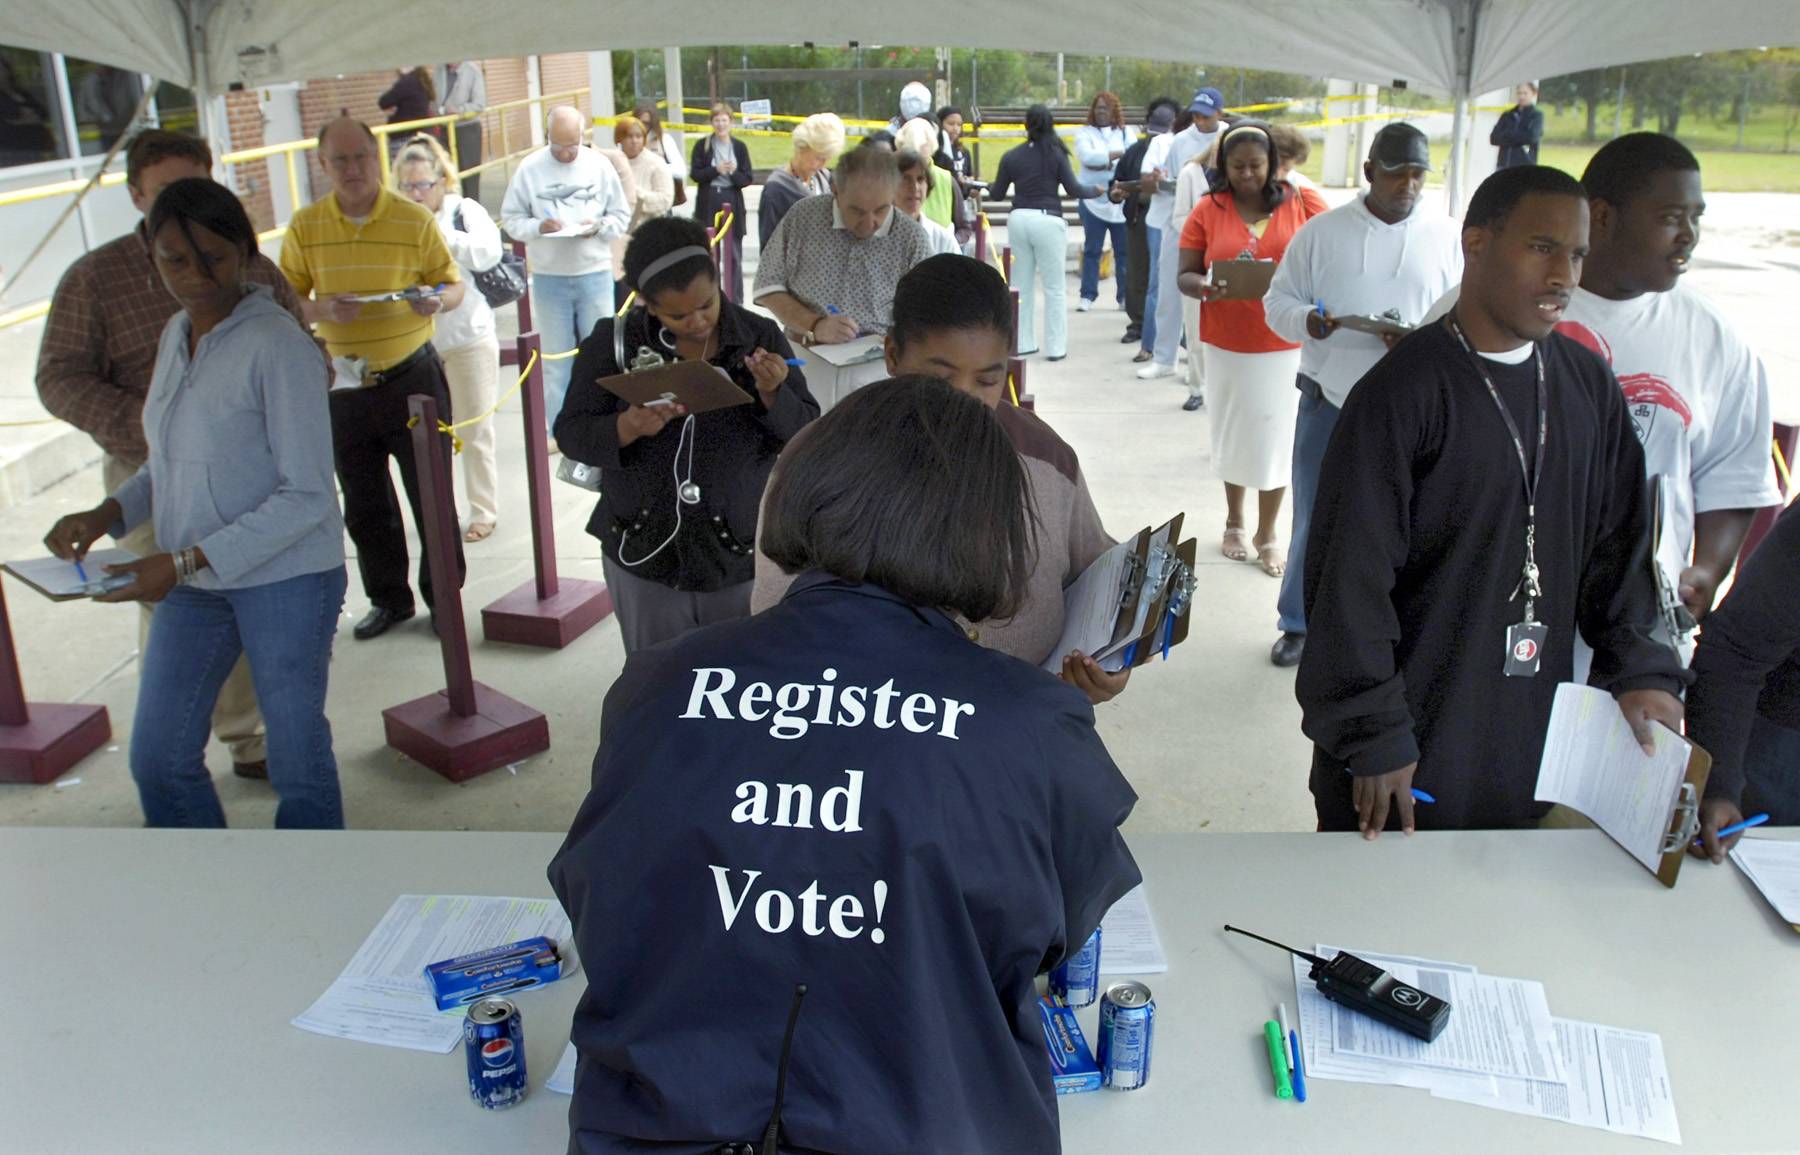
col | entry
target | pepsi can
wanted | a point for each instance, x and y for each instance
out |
(1077, 981)
(494, 1044)
(1127, 1024)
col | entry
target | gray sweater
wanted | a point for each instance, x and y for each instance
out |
(240, 450)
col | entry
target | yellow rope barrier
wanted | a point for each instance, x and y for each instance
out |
(456, 443)
(1781, 467)
(33, 421)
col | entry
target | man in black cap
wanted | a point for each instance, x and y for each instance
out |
(1371, 257)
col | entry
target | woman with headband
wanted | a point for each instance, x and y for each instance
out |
(676, 517)
(1248, 213)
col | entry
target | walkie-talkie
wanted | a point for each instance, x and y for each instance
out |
(1364, 987)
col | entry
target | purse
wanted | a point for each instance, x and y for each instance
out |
(504, 282)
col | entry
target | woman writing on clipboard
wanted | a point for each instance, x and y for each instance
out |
(1248, 213)
(677, 512)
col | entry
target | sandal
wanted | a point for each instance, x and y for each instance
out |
(1236, 545)
(478, 531)
(1272, 558)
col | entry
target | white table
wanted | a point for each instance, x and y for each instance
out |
(165, 967)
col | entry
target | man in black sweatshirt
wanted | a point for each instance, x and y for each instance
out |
(1482, 500)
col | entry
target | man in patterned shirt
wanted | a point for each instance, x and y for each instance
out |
(94, 368)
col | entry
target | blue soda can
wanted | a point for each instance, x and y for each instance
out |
(1127, 1023)
(494, 1044)
(1077, 981)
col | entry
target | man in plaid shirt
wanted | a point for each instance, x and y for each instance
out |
(94, 368)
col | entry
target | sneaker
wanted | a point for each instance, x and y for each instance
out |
(1132, 336)
(1154, 370)
(1141, 356)
(1083, 305)
(1194, 403)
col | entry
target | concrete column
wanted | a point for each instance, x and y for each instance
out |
(600, 84)
(1337, 171)
(534, 86)
(672, 86)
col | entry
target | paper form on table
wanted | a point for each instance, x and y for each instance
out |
(1774, 866)
(1129, 944)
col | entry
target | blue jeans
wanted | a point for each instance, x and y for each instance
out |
(286, 629)
(1040, 245)
(565, 310)
(1312, 433)
(1147, 338)
(1095, 232)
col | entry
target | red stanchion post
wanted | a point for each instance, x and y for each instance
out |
(38, 741)
(467, 728)
(548, 610)
(1015, 370)
(1785, 442)
(1006, 267)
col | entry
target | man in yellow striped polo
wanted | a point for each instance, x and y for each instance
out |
(357, 242)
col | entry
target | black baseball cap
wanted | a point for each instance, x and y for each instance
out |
(1400, 145)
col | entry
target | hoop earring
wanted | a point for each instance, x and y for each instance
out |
(667, 338)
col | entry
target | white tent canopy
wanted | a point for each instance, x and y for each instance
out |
(1453, 47)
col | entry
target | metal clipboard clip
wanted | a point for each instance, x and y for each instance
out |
(1182, 597)
(1686, 815)
(1132, 581)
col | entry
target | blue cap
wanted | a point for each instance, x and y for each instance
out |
(1209, 101)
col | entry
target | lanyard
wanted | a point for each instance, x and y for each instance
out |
(1531, 474)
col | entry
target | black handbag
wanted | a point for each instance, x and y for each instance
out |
(504, 282)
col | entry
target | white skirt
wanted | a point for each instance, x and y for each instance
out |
(1252, 403)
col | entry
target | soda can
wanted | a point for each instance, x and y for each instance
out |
(1127, 1024)
(1077, 981)
(494, 1044)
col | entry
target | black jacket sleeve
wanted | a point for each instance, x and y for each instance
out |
(1518, 128)
(587, 429)
(795, 407)
(745, 175)
(1351, 691)
(1618, 609)
(1754, 630)
(777, 199)
(1072, 184)
(700, 163)
(1003, 179)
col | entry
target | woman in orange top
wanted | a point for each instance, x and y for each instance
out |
(1249, 213)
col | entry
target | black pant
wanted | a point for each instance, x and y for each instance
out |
(468, 155)
(1137, 269)
(368, 426)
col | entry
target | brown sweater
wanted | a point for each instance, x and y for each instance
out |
(1070, 537)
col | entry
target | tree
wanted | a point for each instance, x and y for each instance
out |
(1590, 88)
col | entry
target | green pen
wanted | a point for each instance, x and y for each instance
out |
(1284, 1089)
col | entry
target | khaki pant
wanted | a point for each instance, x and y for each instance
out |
(473, 372)
(236, 719)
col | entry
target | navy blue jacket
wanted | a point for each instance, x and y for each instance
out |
(916, 849)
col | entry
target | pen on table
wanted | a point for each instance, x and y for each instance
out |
(1739, 827)
(1281, 1010)
(1421, 796)
(1299, 1068)
(1277, 1059)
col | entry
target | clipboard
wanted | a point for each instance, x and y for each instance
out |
(1383, 326)
(700, 386)
(1241, 280)
(57, 580)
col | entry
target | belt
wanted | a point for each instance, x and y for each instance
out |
(403, 366)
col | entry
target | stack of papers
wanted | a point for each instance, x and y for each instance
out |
(1129, 944)
(857, 352)
(382, 996)
(1501, 1049)
(1774, 866)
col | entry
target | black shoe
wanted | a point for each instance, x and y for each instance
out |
(377, 622)
(1056, 357)
(257, 771)
(1132, 333)
(1194, 404)
(1287, 649)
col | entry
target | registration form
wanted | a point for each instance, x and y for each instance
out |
(1593, 764)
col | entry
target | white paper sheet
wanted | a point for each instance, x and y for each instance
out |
(1091, 606)
(1592, 764)
(1774, 866)
(562, 1080)
(1618, 1081)
(1129, 944)
(1497, 1026)
(56, 578)
(856, 352)
(382, 996)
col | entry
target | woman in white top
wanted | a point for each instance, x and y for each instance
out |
(916, 182)
(667, 148)
(653, 191)
(1098, 146)
(465, 336)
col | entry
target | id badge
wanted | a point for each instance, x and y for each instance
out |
(1524, 648)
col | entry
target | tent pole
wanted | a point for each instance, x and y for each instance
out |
(1453, 183)
(211, 129)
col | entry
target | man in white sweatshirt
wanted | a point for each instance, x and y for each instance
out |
(1372, 257)
(566, 204)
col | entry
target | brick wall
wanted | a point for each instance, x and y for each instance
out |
(506, 82)
(563, 71)
(244, 120)
(321, 100)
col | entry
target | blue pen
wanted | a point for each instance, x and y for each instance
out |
(81, 573)
(1422, 796)
(833, 310)
(1299, 1077)
(1738, 827)
(1319, 306)
(794, 362)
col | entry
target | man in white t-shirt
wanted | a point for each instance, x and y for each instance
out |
(1163, 162)
(1379, 254)
(1698, 394)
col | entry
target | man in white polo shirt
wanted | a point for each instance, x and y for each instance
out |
(1377, 254)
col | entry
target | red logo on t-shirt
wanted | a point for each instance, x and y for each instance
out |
(1645, 393)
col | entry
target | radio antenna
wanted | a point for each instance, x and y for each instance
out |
(1311, 958)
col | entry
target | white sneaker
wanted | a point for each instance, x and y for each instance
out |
(1083, 305)
(1154, 370)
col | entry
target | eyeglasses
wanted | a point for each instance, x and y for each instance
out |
(420, 186)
